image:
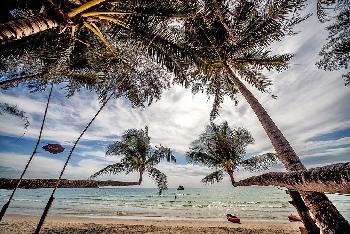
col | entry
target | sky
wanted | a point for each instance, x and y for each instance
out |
(312, 110)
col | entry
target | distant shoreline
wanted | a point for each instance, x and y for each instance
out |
(6, 183)
(69, 224)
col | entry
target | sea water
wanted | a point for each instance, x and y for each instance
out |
(256, 203)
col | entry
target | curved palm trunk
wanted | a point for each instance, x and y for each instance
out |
(18, 182)
(332, 178)
(15, 30)
(140, 178)
(232, 179)
(229, 171)
(326, 214)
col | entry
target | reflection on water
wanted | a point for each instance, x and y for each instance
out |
(213, 203)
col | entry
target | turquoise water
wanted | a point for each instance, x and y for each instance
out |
(263, 203)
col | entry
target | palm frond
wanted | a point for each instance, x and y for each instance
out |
(109, 170)
(263, 60)
(159, 154)
(336, 52)
(160, 178)
(220, 146)
(197, 157)
(346, 78)
(254, 77)
(13, 110)
(214, 177)
(260, 162)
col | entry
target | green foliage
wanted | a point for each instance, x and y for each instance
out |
(88, 64)
(224, 149)
(336, 52)
(216, 176)
(255, 25)
(110, 170)
(160, 178)
(137, 155)
(259, 162)
(185, 37)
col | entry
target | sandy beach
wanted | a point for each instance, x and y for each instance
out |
(61, 224)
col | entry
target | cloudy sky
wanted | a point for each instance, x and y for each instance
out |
(312, 110)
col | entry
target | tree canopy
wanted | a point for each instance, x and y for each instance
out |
(137, 155)
(224, 150)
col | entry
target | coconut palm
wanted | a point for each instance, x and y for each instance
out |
(224, 149)
(222, 60)
(71, 16)
(138, 156)
(80, 24)
(68, 14)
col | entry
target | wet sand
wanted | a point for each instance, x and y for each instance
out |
(65, 224)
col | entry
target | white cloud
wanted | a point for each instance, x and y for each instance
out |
(310, 102)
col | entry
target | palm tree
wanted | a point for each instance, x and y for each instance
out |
(223, 59)
(224, 149)
(72, 16)
(138, 156)
(66, 15)
(52, 44)
(78, 66)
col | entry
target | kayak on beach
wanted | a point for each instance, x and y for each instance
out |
(233, 219)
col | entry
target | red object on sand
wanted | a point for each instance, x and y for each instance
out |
(294, 218)
(53, 148)
(233, 219)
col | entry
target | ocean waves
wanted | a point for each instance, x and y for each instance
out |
(245, 202)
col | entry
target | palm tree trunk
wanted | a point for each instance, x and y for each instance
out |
(229, 171)
(140, 178)
(4, 208)
(15, 30)
(332, 178)
(232, 179)
(326, 214)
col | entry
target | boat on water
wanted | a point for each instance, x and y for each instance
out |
(233, 218)
(181, 187)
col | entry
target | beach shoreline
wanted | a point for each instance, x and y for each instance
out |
(72, 224)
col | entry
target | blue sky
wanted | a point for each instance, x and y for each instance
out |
(312, 111)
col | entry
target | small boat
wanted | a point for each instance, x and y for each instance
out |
(180, 187)
(294, 218)
(233, 219)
